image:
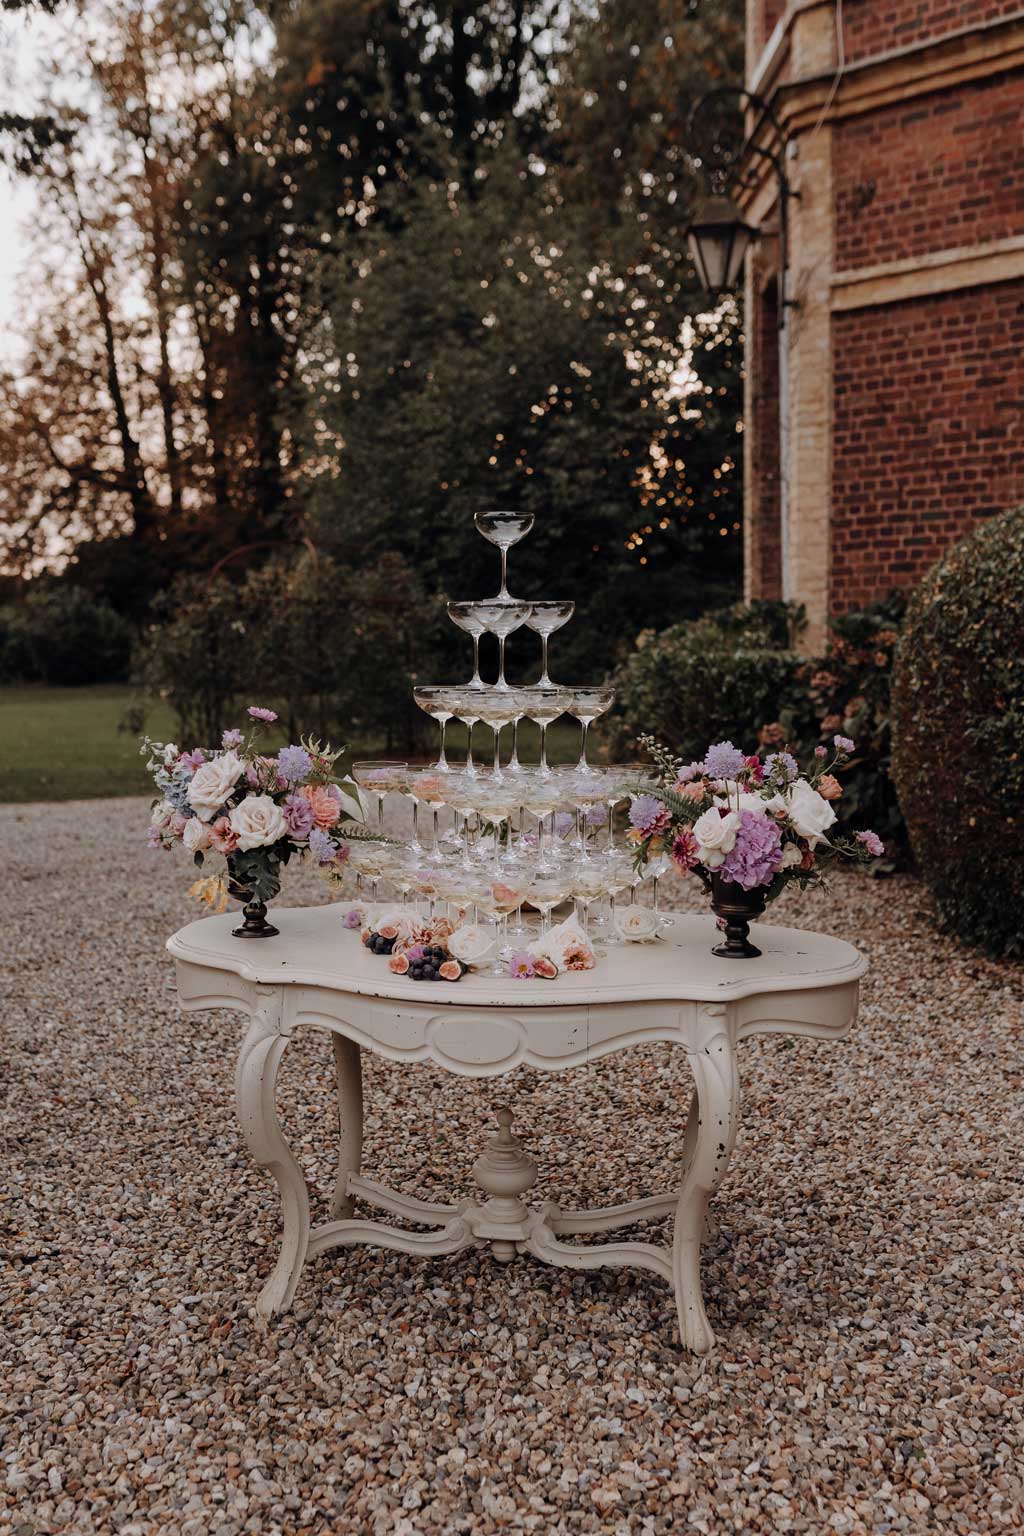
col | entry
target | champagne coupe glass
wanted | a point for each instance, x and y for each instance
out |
(588, 885)
(618, 876)
(501, 619)
(502, 895)
(465, 703)
(546, 887)
(585, 704)
(619, 779)
(428, 788)
(659, 865)
(461, 615)
(545, 618)
(588, 791)
(542, 705)
(379, 777)
(497, 708)
(504, 529)
(436, 702)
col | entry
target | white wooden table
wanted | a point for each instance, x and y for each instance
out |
(318, 974)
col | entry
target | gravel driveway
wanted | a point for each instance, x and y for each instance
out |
(864, 1284)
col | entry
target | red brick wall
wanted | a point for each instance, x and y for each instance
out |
(928, 432)
(943, 171)
(765, 545)
(878, 26)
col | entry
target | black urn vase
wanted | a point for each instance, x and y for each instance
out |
(736, 908)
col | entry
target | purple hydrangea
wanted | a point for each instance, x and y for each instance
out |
(231, 739)
(321, 846)
(781, 765)
(872, 842)
(648, 815)
(294, 764)
(843, 743)
(723, 761)
(298, 813)
(756, 855)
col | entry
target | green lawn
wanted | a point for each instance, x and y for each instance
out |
(64, 744)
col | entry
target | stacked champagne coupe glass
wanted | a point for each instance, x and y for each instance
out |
(515, 835)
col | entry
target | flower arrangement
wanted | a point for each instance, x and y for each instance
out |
(755, 821)
(436, 949)
(255, 809)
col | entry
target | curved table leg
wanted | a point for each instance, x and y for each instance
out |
(714, 1131)
(255, 1087)
(349, 1072)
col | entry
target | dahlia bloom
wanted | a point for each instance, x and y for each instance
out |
(684, 851)
(298, 813)
(255, 712)
(872, 842)
(326, 807)
(756, 855)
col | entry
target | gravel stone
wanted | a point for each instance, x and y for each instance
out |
(864, 1284)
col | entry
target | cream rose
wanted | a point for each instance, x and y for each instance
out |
(196, 835)
(470, 943)
(564, 941)
(715, 836)
(809, 814)
(636, 923)
(161, 813)
(257, 822)
(791, 855)
(212, 783)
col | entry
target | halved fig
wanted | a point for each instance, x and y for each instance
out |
(545, 968)
(389, 931)
(366, 935)
(398, 964)
(449, 970)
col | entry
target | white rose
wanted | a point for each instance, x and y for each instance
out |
(636, 923)
(161, 813)
(791, 855)
(809, 812)
(470, 943)
(257, 822)
(196, 835)
(715, 836)
(562, 940)
(212, 783)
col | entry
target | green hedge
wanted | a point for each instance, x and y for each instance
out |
(958, 706)
(62, 635)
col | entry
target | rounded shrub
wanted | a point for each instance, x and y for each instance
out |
(958, 726)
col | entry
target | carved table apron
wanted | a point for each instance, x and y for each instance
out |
(318, 974)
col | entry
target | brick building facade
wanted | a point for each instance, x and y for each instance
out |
(887, 416)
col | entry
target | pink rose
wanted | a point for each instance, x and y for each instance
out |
(222, 836)
(177, 824)
(325, 806)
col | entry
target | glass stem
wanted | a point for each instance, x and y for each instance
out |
(583, 744)
(380, 814)
(611, 814)
(476, 678)
(544, 770)
(504, 572)
(416, 824)
(501, 661)
(442, 761)
(545, 681)
(497, 752)
(470, 765)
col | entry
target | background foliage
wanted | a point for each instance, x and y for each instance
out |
(959, 733)
(350, 270)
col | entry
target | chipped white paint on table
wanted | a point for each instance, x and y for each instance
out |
(318, 974)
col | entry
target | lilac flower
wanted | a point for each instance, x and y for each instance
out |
(564, 823)
(648, 815)
(872, 842)
(843, 743)
(689, 773)
(321, 846)
(231, 739)
(521, 965)
(723, 761)
(294, 764)
(298, 814)
(756, 855)
(255, 712)
(353, 918)
(782, 765)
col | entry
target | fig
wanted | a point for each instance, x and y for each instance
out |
(366, 935)
(545, 968)
(398, 964)
(450, 970)
(388, 931)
